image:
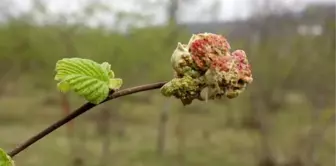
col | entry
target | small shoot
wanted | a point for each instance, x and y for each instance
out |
(87, 78)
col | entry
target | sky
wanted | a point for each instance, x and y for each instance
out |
(200, 10)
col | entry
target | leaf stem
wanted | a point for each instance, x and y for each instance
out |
(79, 111)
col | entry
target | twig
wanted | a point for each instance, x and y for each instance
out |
(80, 111)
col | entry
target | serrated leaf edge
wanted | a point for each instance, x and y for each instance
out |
(105, 75)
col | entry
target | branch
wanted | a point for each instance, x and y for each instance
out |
(80, 111)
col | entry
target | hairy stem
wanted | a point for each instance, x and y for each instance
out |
(80, 111)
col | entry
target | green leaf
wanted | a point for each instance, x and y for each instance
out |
(115, 83)
(107, 67)
(87, 78)
(5, 160)
(63, 86)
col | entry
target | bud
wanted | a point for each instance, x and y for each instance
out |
(206, 62)
(243, 67)
(206, 47)
(185, 88)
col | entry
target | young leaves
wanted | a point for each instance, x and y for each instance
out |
(87, 78)
(5, 160)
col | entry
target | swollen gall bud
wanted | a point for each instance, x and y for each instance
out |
(207, 63)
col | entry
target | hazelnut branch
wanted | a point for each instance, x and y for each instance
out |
(80, 111)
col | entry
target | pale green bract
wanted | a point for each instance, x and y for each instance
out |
(87, 78)
(5, 160)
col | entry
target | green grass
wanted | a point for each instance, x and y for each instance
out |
(22, 116)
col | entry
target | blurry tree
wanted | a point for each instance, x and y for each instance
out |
(172, 11)
(319, 68)
(271, 74)
(283, 67)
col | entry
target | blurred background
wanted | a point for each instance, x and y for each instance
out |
(286, 117)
